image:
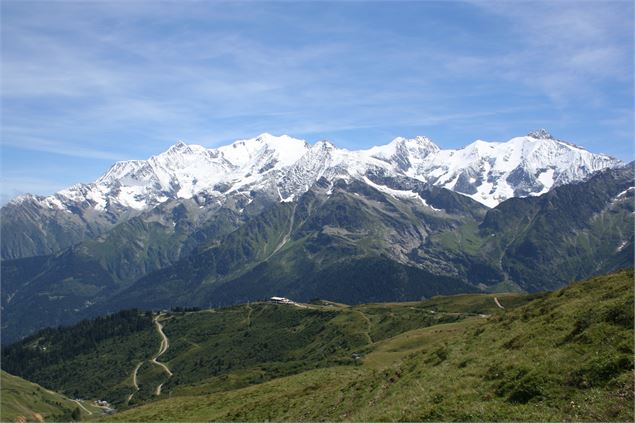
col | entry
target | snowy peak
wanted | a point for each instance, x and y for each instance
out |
(417, 147)
(404, 152)
(284, 149)
(179, 148)
(491, 172)
(420, 143)
(285, 167)
(541, 134)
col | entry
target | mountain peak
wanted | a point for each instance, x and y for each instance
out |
(180, 147)
(266, 136)
(22, 198)
(488, 172)
(325, 144)
(541, 134)
(420, 142)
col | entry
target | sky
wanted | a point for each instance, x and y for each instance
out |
(84, 84)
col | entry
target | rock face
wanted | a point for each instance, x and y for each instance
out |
(281, 169)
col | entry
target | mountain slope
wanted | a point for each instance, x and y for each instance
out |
(25, 401)
(106, 348)
(282, 169)
(574, 231)
(305, 249)
(564, 356)
(376, 239)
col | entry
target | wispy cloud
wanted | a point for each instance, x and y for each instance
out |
(12, 186)
(57, 147)
(111, 80)
(566, 49)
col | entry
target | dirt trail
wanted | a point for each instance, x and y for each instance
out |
(134, 380)
(90, 413)
(165, 344)
(134, 376)
(498, 303)
(368, 325)
(249, 314)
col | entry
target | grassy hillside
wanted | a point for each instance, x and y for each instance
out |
(219, 349)
(92, 359)
(25, 401)
(566, 355)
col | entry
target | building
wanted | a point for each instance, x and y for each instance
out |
(280, 300)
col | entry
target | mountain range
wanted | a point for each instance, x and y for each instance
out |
(276, 215)
(282, 169)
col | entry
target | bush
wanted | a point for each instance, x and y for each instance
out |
(521, 386)
(621, 315)
(600, 370)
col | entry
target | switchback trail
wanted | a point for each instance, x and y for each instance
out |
(134, 380)
(368, 326)
(498, 303)
(90, 413)
(165, 344)
(249, 314)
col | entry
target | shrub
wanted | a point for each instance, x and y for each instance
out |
(521, 386)
(600, 370)
(621, 315)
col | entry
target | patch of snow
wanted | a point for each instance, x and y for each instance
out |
(547, 180)
(623, 193)
(621, 246)
(399, 193)
(425, 203)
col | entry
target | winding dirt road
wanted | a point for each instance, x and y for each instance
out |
(368, 326)
(165, 344)
(90, 413)
(498, 303)
(134, 380)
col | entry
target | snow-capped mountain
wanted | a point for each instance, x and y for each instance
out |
(491, 172)
(285, 167)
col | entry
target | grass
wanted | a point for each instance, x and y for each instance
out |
(26, 401)
(566, 355)
(93, 359)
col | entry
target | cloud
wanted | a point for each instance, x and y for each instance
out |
(113, 80)
(567, 50)
(12, 186)
(58, 147)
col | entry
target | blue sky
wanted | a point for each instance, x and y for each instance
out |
(88, 83)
